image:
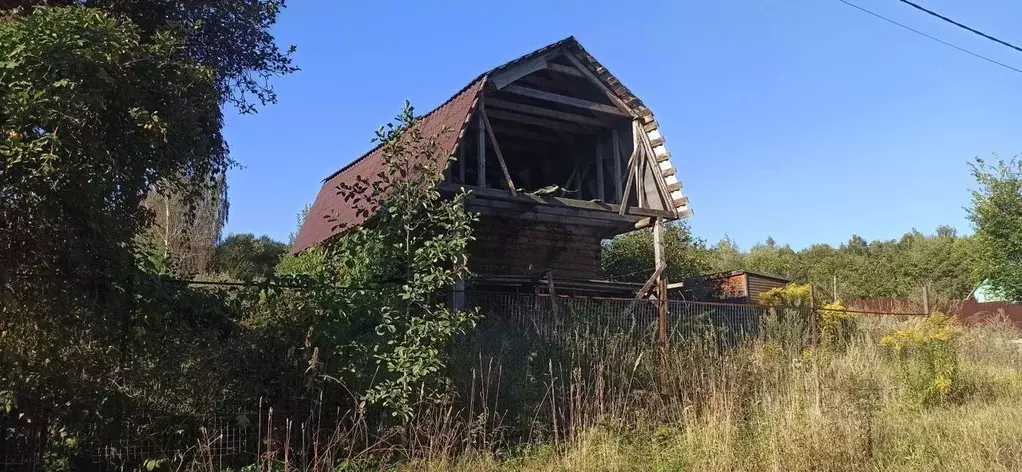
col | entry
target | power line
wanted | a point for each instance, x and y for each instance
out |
(941, 41)
(953, 22)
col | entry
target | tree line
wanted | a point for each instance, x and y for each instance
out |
(947, 263)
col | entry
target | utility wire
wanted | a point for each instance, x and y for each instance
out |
(953, 22)
(941, 41)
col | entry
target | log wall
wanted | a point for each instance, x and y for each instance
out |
(517, 247)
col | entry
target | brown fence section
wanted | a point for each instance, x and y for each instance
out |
(973, 312)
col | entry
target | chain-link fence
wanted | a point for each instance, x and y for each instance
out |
(597, 321)
(551, 316)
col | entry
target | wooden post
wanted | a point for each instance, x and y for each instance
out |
(615, 154)
(926, 299)
(640, 188)
(481, 178)
(662, 330)
(835, 288)
(553, 293)
(658, 257)
(632, 162)
(814, 322)
(461, 163)
(601, 193)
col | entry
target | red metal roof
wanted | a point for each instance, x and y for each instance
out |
(331, 215)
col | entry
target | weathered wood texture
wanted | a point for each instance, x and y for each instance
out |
(758, 284)
(516, 247)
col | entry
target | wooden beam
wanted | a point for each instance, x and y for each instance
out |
(632, 162)
(503, 79)
(461, 162)
(552, 84)
(481, 165)
(615, 140)
(658, 180)
(599, 83)
(496, 150)
(565, 100)
(600, 184)
(536, 121)
(546, 112)
(662, 331)
(553, 293)
(566, 70)
(658, 242)
(490, 193)
(646, 287)
(523, 207)
(547, 218)
(524, 133)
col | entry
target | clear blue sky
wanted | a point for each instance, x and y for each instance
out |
(805, 120)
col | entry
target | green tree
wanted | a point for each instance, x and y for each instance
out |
(629, 257)
(230, 38)
(96, 111)
(725, 256)
(996, 213)
(246, 257)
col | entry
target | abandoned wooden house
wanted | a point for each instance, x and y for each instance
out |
(558, 155)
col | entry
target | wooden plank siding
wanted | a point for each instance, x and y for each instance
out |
(515, 247)
(757, 284)
(733, 287)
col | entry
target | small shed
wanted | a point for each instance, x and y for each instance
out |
(740, 286)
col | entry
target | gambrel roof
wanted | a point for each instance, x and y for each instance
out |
(330, 208)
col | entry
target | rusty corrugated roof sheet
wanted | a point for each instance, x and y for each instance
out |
(331, 215)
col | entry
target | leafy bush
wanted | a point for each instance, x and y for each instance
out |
(928, 358)
(836, 325)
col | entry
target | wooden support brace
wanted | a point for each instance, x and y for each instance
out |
(496, 150)
(598, 83)
(665, 194)
(565, 100)
(632, 161)
(645, 289)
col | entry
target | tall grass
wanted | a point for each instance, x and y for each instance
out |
(591, 400)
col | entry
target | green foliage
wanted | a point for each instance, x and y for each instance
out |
(230, 38)
(836, 325)
(928, 358)
(388, 339)
(92, 119)
(997, 215)
(791, 295)
(865, 269)
(246, 257)
(629, 257)
(95, 112)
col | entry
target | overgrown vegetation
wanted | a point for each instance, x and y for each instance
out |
(349, 356)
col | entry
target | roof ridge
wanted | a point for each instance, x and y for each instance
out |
(569, 39)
